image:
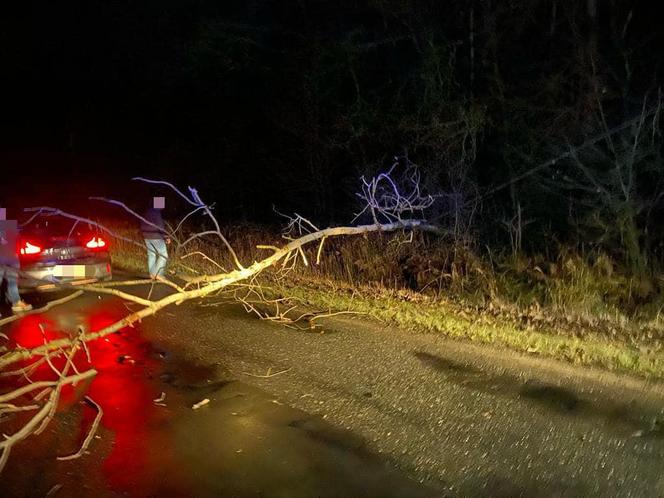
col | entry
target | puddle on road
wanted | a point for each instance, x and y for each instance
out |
(192, 378)
(242, 443)
(623, 419)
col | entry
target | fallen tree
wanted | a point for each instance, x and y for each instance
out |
(391, 204)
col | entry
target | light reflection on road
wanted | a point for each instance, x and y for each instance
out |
(123, 387)
(243, 443)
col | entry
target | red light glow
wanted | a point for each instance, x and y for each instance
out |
(95, 243)
(30, 249)
(140, 453)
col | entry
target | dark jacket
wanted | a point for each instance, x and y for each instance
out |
(153, 232)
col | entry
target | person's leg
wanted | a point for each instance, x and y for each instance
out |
(18, 305)
(162, 257)
(12, 286)
(2, 277)
(152, 257)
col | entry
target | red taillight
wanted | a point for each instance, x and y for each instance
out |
(95, 242)
(28, 249)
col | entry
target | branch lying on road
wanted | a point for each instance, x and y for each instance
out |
(207, 285)
(268, 374)
(91, 432)
(41, 418)
(385, 199)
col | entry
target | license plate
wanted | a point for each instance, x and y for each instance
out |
(69, 271)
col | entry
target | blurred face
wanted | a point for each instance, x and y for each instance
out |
(159, 202)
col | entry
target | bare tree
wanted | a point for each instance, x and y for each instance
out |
(514, 227)
(614, 184)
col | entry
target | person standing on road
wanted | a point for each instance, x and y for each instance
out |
(155, 238)
(9, 263)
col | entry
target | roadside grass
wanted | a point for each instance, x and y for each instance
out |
(407, 311)
(124, 255)
(572, 307)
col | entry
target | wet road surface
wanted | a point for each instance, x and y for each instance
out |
(243, 442)
(355, 409)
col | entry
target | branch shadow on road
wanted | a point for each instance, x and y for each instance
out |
(621, 418)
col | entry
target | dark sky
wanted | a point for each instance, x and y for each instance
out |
(99, 91)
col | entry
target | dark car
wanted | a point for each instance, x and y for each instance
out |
(55, 250)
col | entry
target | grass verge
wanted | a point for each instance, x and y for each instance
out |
(407, 311)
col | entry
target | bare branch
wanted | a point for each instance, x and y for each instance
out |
(389, 200)
(91, 432)
(42, 416)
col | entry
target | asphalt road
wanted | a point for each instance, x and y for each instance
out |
(353, 409)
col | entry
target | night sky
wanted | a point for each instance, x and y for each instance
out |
(288, 103)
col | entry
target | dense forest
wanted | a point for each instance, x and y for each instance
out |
(532, 120)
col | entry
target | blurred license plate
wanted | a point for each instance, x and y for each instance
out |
(69, 271)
